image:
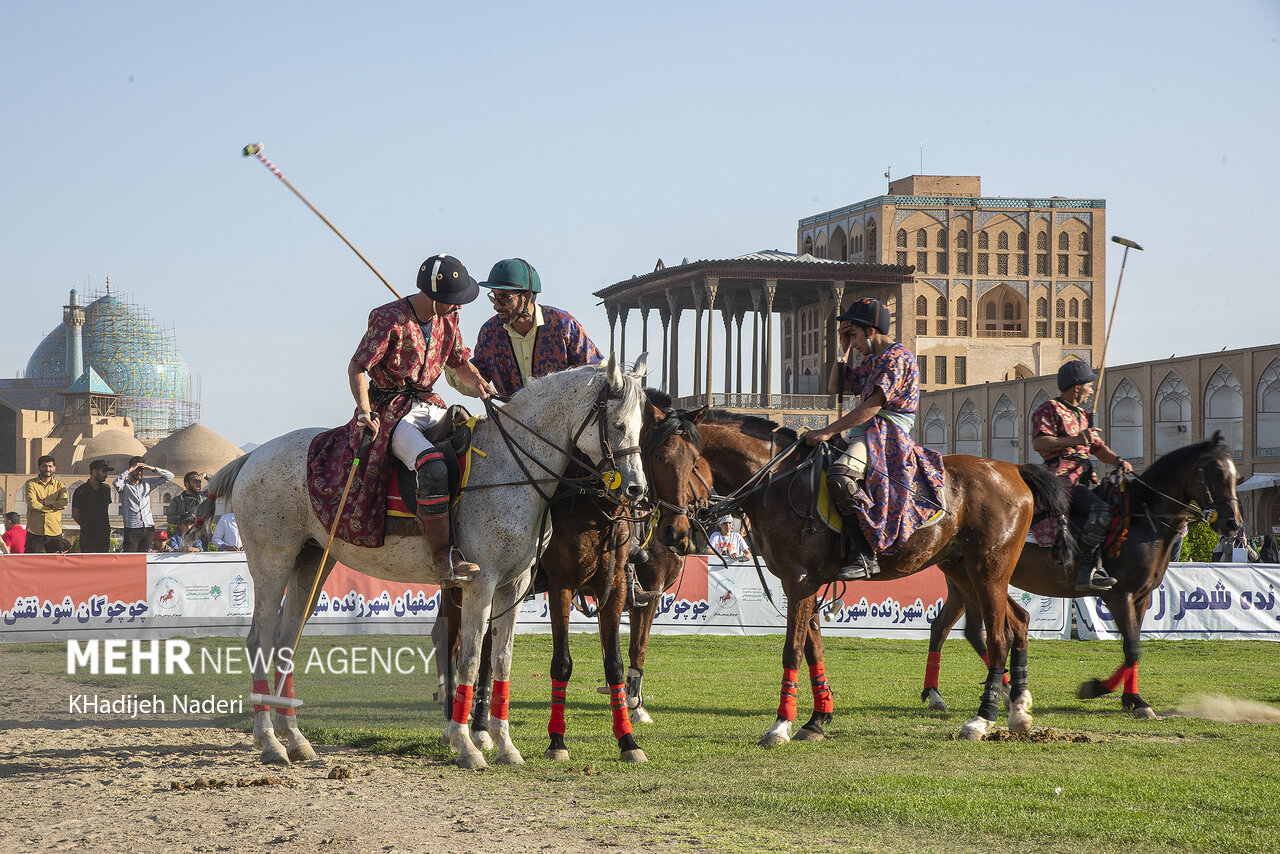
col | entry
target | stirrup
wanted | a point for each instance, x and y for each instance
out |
(460, 571)
(859, 568)
(1098, 581)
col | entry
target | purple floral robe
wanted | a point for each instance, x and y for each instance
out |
(894, 461)
(561, 343)
(396, 356)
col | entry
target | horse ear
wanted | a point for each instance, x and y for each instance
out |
(613, 373)
(1217, 437)
(641, 366)
(698, 414)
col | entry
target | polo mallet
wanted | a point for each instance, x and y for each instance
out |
(366, 440)
(254, 149)
(1102, 366)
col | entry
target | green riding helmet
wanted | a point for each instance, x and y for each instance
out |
(513, 274)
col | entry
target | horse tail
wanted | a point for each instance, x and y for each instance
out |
(1053, 500)
(221, 487)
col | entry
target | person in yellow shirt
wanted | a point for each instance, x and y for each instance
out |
(46, 499)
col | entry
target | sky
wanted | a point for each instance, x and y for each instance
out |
(593, 139)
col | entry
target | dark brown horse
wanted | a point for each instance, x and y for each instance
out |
(586, 555)
(989, 507)
(1159, 501)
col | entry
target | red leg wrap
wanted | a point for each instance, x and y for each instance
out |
(261, 686)
(556, 726)
(1131, 680)
(284, 688)
(618, 704)
(1113, 681)
(501, 700)
(462, 703)
(822, 703)
(787, 705)
(931, 670)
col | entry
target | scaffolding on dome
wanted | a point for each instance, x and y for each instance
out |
(136, 355)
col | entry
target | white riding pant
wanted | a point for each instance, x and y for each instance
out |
(854, 460)
(408, 441)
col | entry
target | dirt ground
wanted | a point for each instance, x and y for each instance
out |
(170, 786)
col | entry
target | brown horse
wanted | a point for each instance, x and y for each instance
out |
(1158, 505)
(587, 555)
(989, 507)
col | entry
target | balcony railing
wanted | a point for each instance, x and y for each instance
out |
(1002, 333)
(809, 402)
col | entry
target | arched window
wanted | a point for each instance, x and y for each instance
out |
(942, 307)
(1008, 311)
(1002, 240)
(902, 238)
(1073, 308)
(962, 239)
(1173, 414)
(969, 430)
(942, 239)
(871, 236)
(982, 240)
(1004, 431)
(1084, 241)
(1039, 400)
(1224, 408)
(1268, 406)
(1022, 241)
(1064, 242)
(991, 311)
(1060, 308)
(922, 306)
(1042, 240)
(922, 238)
(808, 245)
(935, 430)
(1042, 307)
(1086, 308)
(962, 307)
(1126, 421)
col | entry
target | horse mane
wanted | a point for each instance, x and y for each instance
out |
(1168, 467)
(754, 426)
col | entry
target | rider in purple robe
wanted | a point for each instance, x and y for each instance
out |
(903, 481)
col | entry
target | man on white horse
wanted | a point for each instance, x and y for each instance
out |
(403, 352)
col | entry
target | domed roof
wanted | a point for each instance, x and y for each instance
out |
(115, 446)
(194, 448)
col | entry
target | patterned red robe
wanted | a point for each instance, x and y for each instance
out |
(396, 355)
(561, 343)
(1058, 419)
(894, 461)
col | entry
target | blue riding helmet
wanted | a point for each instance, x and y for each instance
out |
(444, 279)
(1073, 373)
(867, 312)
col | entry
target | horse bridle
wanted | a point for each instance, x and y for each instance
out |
(1207, 515)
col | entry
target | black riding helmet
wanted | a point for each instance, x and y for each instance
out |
(867, 312)
(1074, 373)
(444, 279)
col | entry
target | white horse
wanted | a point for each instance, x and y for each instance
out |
(498, 524)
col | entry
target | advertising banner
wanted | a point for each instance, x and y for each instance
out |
(55, 597)
(1202, 601)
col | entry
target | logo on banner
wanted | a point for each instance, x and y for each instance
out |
(239, 596)
(166, 597)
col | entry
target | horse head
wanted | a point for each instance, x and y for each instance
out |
(679, 478)
(609, 431)
(1212, 485)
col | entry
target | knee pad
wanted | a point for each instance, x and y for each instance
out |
(433, 482)
(842, 483)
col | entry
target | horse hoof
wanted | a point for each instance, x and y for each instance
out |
(1019, 721)
(636, 755)
(1144, 713)
(806, 734)
(482, 740)
(1092, 689)
(302, 753)
(511, 757)
(974, 730)
(640, 716)
(557, 754)
(935, 701)
(773, 739)
(471, 761)
(275, 755)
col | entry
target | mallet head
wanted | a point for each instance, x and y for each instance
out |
(1115, 238)
(256, 147)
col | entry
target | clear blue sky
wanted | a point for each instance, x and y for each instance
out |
(593, 139)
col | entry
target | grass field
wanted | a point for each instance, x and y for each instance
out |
(890, 776)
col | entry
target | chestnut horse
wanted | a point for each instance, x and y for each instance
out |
(587, 554)
(1158, 505)
(989, 509)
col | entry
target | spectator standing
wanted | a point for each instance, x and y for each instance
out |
(90, 507)
(15, 536)
(186, 502)
(135, 502)
(46, 499)
(226, 537)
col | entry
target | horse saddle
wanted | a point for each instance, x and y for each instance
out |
(825, 508)
(1045, 532)
(454, 432)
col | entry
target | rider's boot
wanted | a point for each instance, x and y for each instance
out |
(433, 516)
(842, 483)
(1090, 576)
